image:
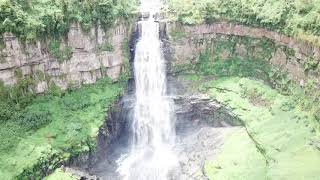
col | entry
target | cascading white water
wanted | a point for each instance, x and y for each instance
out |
(151, 156)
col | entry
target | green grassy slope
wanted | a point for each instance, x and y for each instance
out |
(59, 174)
(283, 134)
(239, 159)
(53, 128)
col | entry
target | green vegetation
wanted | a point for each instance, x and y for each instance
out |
(239, 159)
(39, 133)
(223, 57)
(34, 19)
(59, 174)
(15, 98)
(106, 47)
(285, 137)
(281, 135)
(126, 70)
(61, 54)
(177, 35)
(296, 18)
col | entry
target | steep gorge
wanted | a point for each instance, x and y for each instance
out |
(245, 102)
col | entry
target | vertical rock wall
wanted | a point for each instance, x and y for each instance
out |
(298, 59)
(88, 63)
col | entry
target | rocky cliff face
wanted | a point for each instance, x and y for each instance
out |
(87, 64)
(298, 59)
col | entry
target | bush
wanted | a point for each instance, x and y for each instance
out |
(299, 18)
(33, 119)
(76, 101)
(106, 47)
(61, 54)
(6, 112)
(9, 136)
(32, 19)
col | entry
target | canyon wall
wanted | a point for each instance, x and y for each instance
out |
(298, 59)
(88, 62)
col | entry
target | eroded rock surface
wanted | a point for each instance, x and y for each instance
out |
(87, 64)
(196, 147)
(298, 59)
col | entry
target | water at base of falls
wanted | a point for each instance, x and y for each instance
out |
(153, 135)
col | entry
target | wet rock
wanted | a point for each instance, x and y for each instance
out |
(196, 147)
(79, 174)
(144, 15)
(201, 110)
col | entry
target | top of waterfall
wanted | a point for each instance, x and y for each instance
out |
(151, 6)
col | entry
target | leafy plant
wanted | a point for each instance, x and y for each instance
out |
(177, 35)
(106, 47)
(310, 64)
(299, 18)
(33, 19)
(61, 54)
(33, 119)
(76, 101)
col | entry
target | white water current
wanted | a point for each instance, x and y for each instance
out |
(153, 132)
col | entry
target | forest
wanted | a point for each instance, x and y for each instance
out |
(33, 19)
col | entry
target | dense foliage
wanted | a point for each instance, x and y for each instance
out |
(298, 18)
(61, 54)
(51, 128)
(31, 19)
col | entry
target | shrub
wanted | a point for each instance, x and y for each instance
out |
(106, 47)
(61, 54)
(34, 19)
(76, 101)
(33, 119)
(299, 18)
(6, 111)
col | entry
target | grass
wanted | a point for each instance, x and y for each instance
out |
(239, 159)
(177, 35)
(282, 132)
(74, 120)
(107, 46)
(59, 174)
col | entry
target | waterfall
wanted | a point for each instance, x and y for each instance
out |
(153, 134)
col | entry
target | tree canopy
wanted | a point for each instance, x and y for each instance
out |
(31, 19)
(297, 18)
